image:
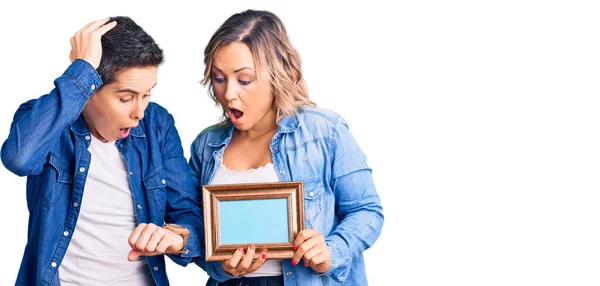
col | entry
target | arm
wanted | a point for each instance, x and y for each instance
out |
(213, 269)
(356, 203)
(38, 123)
(183, 201)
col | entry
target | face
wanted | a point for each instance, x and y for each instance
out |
(246, 98)
(117, 107)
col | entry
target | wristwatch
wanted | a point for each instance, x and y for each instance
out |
(181, 230)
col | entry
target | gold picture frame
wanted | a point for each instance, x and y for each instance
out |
(240, 202)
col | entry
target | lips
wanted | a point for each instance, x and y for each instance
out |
(236, 113)
(124, 132)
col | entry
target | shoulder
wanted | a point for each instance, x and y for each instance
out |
(319, 117)
(209, 134)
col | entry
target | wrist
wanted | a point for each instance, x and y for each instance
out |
(181, 231)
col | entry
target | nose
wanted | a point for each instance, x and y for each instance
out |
(138, 111)
(230, 91)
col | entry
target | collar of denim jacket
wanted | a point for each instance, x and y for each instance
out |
(287, 124)
(223, 137)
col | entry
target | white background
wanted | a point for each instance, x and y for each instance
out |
(479, 119)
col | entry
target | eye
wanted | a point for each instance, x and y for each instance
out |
(219, 79)
(146, 95)
(126, 99)
(244, 82)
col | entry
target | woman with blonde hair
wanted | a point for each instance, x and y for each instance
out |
(272, 132)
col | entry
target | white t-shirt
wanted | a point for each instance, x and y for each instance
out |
(264, 174)
(97, 253)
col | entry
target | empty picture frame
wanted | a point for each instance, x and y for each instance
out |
(268, 215)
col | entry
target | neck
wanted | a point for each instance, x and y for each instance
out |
(91, 127)
(264, 126)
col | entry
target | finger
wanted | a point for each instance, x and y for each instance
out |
(313, 252)
(153, 253)
(135, 235)
(72, 53)
(164, 244)
(309, 247)
(304, 248)
(144, 237)
(320, 258)
(77, 38)
(102, 30)
(154, 240)
(322, 262)
(90, 23)
(302, 236)
(133, 255)
(246, 260)
(93, 26)
(258, 263)
(230, 264)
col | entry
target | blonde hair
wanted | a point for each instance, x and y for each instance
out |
(266, 37)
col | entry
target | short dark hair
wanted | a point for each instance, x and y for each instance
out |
(124, 46)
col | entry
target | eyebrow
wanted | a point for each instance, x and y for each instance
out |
(235, 71)
(127, 90)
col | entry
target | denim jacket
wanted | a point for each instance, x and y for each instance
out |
(48, 143)
(340, 201)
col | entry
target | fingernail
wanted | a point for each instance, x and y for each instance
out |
(294, 262)
(251, 246)
(295, 248)
(240, 249)
(263, 255)
(305, 264)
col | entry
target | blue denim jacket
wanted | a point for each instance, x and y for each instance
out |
(340, 200)
(48, 143)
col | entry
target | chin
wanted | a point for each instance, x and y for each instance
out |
(107, 138)
(242, 127)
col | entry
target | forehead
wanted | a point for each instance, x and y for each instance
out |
(233, 56)
(136, 77)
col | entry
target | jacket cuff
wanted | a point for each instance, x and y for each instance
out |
(85, 76)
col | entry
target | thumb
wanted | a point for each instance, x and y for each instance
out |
(133, 255)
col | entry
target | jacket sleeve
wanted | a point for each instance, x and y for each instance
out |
(38, 123)
(213, 269)
(356, 202)
(183, 203)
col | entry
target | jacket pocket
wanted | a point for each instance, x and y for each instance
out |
(313, 200)
(156, 187)
(59, 176)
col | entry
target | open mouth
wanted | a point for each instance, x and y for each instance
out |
(124, 132)
(235, 114)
